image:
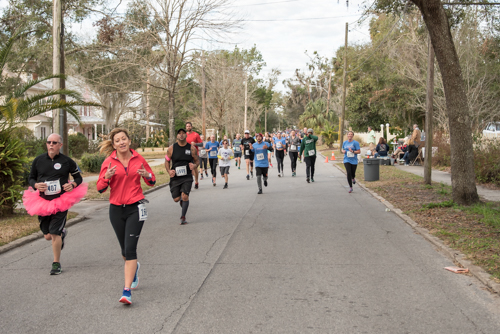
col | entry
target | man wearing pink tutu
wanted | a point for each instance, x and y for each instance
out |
(55, 194)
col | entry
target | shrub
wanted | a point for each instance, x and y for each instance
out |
(92, 162)
(487, 162)
(34, 146)
(78, 145)
(442, 158)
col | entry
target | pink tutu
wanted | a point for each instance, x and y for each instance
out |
(36, 205)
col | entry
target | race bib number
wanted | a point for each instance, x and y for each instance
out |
(278, 145)
(187, 152)
(293, 147)
(213, 153)
(311, 152)
(237, 148)
(181, 170)
(53, 187)
(350, 154)
(260, 156)
(143, 212)
(203, 152)
(247, 152)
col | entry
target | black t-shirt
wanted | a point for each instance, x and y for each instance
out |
(246, 143)
(45, 169)
(181, 157)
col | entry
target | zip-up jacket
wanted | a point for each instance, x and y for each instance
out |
(126, 183)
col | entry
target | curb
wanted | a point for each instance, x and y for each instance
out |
(454, 255)
(37, 235)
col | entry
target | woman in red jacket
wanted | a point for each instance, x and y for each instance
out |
(122, 172)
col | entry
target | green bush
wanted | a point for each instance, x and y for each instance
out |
(78, 145)
(442, 158)
(487, 162)
(34, 146)
(92, 163)
(12, 157)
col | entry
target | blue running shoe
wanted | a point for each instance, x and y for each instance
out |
(135, 283)
(126, 297)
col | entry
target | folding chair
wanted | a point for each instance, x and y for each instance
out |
(419, 159)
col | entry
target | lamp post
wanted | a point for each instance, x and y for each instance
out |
(387, 130)
(382, 130)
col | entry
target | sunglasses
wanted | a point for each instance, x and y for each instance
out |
(52, 142)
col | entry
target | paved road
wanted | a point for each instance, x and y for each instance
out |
(301, 258)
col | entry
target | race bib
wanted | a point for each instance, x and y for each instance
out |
(203, 152)
(350, 154)
(53, 187)
(247, 152)
(237, 148)
(143, 213)
(311, 152)
(260, 156)
(187, 152)
(213, 153)
(181, 170)
(293, 147)
(278, 145)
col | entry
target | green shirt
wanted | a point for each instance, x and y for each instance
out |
(371, 137)
(308, 146)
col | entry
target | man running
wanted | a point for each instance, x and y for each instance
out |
(212, 147)
(308, 149)
(249, 155)
(294, 147)
(195, 140)
(261, 162)
(237, 150)
(184, 160)
(225, 155)
(56, 194)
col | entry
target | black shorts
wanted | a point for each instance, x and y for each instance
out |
(249, 157)
(53, 224)
(237, 154)
(224, 170)
(261, 171)
(181, 185)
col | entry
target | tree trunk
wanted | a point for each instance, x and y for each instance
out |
(462, 157)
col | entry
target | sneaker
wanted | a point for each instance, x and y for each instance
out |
(406, 165)
(307, 180)
(260, 191)
(183, 220)
(126, 297)
(265, 183)
(279, 175)
(215, 184)
(350, 190)
(238, 167)
(282, 174)
(56, 268)
(201, 176)
(196, 186)
(135, 282)
(64, 233)
(312, 179)
(353, 181)
(236, 164)
(248, 177)
(225, 186)
(206, 173)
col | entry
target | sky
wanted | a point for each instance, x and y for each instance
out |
(282, 30)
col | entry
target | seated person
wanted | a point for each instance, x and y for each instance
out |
(400, 151)
(382, 148)
(412, 152)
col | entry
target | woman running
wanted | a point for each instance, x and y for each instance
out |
(294, 147)
(212, 146)
(279, 145)
(269, 142)
(122, 172)
(351, 149)
(202, 153)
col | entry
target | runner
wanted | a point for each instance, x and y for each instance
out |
(228, 141)
(260, 150)
(279, 146)
(122, 172)
(225, 155)
(184, 160)
(351, 149)
(195, 140)
(294, 148)
(203, 158)
(212, 146)
(308, 149)
(237, 150)
(54, 194)
(249, 155)
(270, 149)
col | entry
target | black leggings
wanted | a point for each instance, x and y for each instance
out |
(203, 163)
(280, 155)
(213, 167)
(125, 222)
(293, 160)
(310, 162)
(351, 172)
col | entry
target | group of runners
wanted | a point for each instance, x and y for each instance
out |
(52, 192)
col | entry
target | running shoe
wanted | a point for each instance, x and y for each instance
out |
(279, 175)
(64, 232)
(350, 190)
(201, 176)
(282, 174)
(135, 282)
(248, 177)
(238, 167)
(236, 163)
(312, 179)
(225, 186)
(183, 220)
(206, 173)
(260, 191)
(307, 180)
(353, 181)
(265, 183)
(126, 297)
(56, 268)
(196, 186)
(215, 184)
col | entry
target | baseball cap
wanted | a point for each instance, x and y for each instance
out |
(246, 131)
(310, 130)
(181, 130)
(259, 134)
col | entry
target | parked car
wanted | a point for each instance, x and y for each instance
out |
(492, 130)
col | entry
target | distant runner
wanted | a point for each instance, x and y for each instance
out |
(212, 147)
(261, 162)
(308, 149)
(237, 150)
(249, 155)
(293, 149)
(279, 145)
(195, 140)
(225, 155)
(203, 155)
(351, 149)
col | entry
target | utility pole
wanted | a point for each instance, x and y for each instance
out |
(429, 115)
(147, 105)
(328, 99)
(246, 103)
(344, 85)
(58, 115)
(203, 97)
(265, 119)
(63, 116)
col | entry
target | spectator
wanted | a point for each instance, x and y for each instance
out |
(382, 148)
(416, 136)
(412, 152)
(371, 138)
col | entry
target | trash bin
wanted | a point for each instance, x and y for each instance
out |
(372, 169)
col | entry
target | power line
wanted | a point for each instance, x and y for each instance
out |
(263, 3)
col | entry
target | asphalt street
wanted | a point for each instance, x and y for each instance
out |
(300, 258)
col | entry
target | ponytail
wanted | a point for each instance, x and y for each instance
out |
(106, 147)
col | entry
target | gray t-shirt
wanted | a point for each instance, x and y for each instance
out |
(202, 152)
(293, 144)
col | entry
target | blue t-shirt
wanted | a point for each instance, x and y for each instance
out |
(280, 143)
(260, 157)
(355, 146)
(212, 154)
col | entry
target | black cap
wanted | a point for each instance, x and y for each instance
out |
(181, 130)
